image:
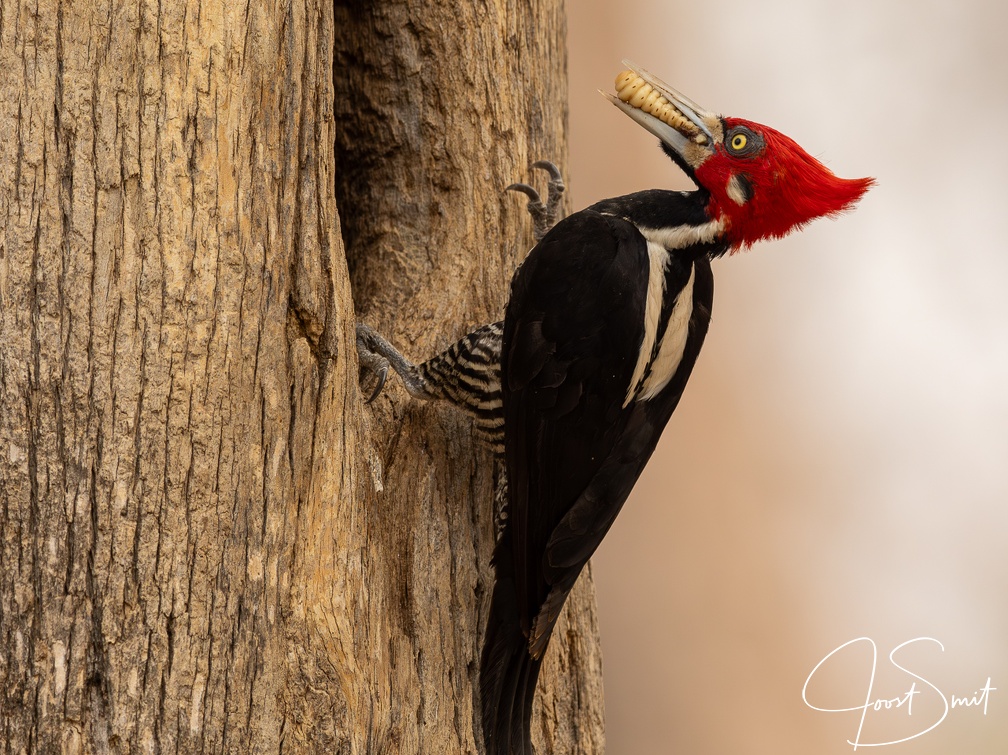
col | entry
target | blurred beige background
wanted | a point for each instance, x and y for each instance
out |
(837, 467)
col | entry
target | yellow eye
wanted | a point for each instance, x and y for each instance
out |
(738, 142)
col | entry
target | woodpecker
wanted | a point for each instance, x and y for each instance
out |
(604, 323)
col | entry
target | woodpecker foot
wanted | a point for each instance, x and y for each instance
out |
(371, 361)
(544, 214)
(376, 356)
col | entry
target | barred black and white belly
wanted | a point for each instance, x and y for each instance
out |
(468, 374)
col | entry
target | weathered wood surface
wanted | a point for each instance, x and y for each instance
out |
(207, 541)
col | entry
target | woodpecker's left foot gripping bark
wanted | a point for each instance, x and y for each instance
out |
(371, 362)
(544, 214)
(467, 373)
(376, 355)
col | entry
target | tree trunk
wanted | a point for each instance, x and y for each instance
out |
(208, 542)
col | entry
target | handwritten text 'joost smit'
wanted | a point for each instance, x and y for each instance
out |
(901, 703)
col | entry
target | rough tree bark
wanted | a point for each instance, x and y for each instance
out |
(207, 541)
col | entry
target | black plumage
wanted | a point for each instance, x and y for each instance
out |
(574, 444)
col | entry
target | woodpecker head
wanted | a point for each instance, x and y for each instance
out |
(761, 183)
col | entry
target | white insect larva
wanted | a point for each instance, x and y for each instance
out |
(638, 99)
(630, 89)
(650, 101)
(636, 92)
(625, 78)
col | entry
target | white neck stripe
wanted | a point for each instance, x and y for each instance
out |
(681, 236)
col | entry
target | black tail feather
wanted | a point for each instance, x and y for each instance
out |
(508, 676)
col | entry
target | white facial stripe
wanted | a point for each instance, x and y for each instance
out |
(682, 236)
(673, 343)
(658, 260)
(735, 191)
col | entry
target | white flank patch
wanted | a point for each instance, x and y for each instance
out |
(681, 236)
(673, 343)
(658, 260)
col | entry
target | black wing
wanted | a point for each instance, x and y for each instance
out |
(573, 451)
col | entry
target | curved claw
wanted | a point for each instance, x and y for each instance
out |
(544, 214)
(525, 189)
(382, 375)
(550, 168)
(369, 359)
